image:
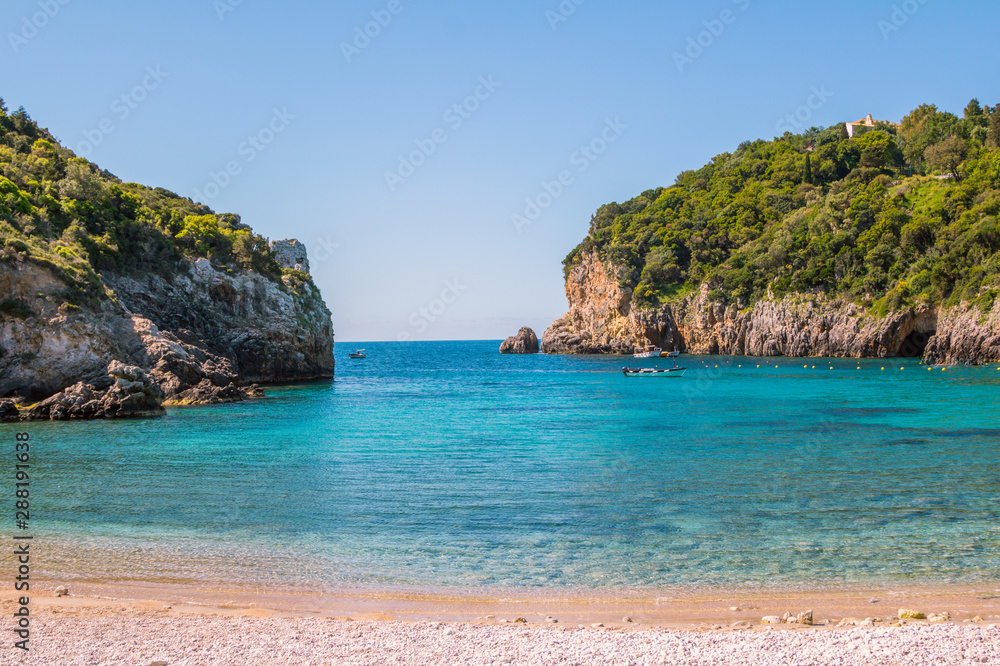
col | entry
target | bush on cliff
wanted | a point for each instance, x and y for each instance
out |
(63, 212)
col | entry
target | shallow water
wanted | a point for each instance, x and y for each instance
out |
(446, 465)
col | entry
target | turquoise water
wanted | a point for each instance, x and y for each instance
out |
(446, 465)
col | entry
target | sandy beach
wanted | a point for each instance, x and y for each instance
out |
(114, 624)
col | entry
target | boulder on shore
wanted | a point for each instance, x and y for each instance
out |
(525, 342)
(8, 412)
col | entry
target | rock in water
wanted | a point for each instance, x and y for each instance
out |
(8, 412)
(525, 342)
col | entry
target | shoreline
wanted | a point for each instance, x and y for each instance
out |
(667, 608)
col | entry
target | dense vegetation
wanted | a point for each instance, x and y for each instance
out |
(63, 212)
(894, 217)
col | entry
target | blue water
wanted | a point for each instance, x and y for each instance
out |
(446, 465)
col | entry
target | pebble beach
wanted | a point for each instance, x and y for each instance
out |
(88, 631)
(90, 637)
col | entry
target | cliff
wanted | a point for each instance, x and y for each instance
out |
(202, 336)
(882, 243)
(603, 320)
(117, 298)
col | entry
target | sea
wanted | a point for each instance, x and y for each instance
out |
(447, 466)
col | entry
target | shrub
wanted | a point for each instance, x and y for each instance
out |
(14, 307)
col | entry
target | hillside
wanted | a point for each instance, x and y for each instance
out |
(809, 244)
(94, 272)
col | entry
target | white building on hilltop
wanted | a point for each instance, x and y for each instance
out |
(864, 122)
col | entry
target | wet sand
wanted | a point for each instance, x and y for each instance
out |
(659, 608)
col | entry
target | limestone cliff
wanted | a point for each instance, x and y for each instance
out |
(200, 336)
(602, 320)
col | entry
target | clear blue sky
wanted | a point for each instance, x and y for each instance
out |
(223, 68)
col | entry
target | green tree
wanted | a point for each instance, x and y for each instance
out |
(809, 171)
(924, 127)
(947, 155)
(878, 150)
(974, 112)
(993, 134)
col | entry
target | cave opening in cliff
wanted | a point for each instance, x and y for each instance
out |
(915, 344)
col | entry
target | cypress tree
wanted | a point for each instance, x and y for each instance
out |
(993, 136)
(809, 170)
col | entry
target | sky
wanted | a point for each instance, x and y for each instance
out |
(440, 158)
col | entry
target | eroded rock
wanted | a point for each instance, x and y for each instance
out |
(203, 336)
(601, 320)
(525, 342)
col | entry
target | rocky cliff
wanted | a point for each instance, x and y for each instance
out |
(199, 336)
(602, 320)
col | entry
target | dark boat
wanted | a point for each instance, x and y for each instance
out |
(653, 372)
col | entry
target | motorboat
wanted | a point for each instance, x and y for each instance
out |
(673, 354)
(650, 352)
(358, 354)
(653, 372)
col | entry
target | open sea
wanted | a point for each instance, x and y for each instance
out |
(444, 465)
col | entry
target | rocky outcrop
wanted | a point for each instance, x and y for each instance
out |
(799, 325)
(126, 391)
(602, 320)
(966, 335)
(525, 342)
(291, 254)
(203, 336)
(9, 411)
(598, 317)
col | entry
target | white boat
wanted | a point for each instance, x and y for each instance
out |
(673, 354)
(358, 354)
(653, 372)
(650, 352)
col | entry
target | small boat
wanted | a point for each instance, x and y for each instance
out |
(358, 354)
(650, 352)
(673, 354)
(653, 372)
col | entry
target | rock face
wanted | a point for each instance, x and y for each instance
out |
(291, 254)
(128, 391)
(525, 342)
(601, 321)
(203, 336)
(966, 336)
